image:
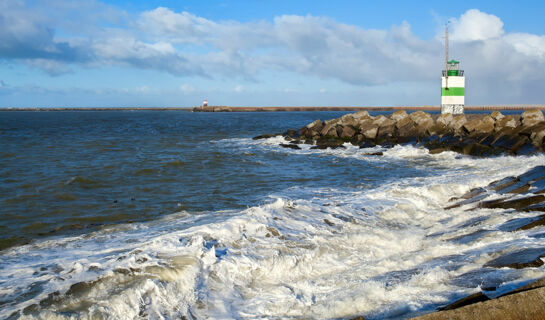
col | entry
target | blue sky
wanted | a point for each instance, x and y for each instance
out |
(175, 53)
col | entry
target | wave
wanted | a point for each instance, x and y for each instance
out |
(328, 252)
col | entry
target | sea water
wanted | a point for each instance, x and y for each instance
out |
(165, 215)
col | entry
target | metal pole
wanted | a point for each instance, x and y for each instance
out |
(446, 56)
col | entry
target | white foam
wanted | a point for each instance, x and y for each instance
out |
(382, 252)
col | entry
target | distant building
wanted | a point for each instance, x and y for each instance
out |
(205, 103)
(453, 89)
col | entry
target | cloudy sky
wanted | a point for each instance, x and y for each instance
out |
(241, 52)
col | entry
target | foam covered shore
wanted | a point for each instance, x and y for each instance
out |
(476, 135)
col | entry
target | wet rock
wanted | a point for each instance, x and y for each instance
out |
(524, 258)
(510, 142)
(266, 136)
(329, 130)
(537, 134)
(531, 117)
(484, 125)
(513, 204)
(524, 304)
(386, 131)
(471, 299)
(378, 153)
(292, 133)
(316, 125)
(540, 221)
(328, 142)
(367, 144)
(290, 146)
(329, 223)
(347, 132)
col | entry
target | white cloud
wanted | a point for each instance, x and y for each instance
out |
(184, 44)
(476, 25)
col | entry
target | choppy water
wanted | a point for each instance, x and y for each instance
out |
(170, 214)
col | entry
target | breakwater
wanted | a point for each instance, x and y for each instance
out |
(476, 135)
(358, 108)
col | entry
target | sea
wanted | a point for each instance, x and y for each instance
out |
(181, 215)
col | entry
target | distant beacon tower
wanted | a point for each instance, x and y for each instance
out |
(205, 103)
(452, 85)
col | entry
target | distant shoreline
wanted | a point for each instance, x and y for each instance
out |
(277, 108)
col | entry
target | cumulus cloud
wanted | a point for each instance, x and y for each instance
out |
(184, 44)
(475, 25)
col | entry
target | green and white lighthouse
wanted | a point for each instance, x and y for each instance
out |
(452, 85)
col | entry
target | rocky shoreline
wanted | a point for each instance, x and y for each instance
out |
(476, 135)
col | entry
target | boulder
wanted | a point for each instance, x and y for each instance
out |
(361, 115)
(420, 117)
(348, 120)
(369, 131)
(537, 132)
(347, 132)
(399, 115)
(406, 128)
(505, 122)
(484, 125)
(379, 120)
(328, 142)
(532, 117)
(316, 125)
(457, 122)
(445, 119)
(290, 146)
(329, 129)
(439, 128)
(496, 115)
(266, 136)
(523, 258)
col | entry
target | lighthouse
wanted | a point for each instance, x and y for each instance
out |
(452, 85)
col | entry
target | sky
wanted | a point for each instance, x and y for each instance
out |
(90, 53)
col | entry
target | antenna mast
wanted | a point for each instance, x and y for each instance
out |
(446, 56)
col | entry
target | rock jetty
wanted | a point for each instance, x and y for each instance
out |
(475, 134)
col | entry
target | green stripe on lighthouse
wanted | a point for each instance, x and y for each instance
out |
(452, 91)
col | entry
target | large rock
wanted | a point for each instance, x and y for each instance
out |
(369, 130)
(484, 125)
(361, 115)
(348, 120)
(423, 121)
(445, 119)
(347, 132)
(532, 117)
(525, 304)
(399, 115)
(316, 125)
(505, 122)
(329, 130)
(496, 115)
(380, 119)
(457, 122)
(537, 133)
